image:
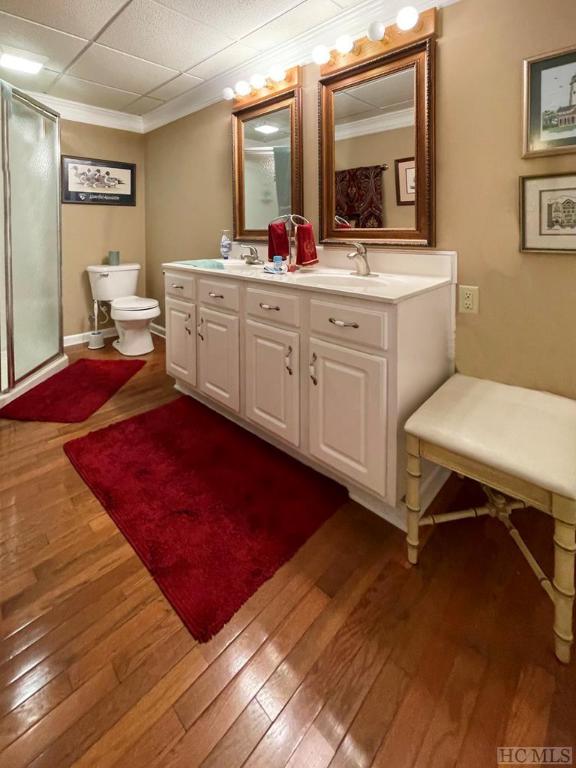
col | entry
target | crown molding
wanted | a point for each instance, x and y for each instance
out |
(85, 113)
(403, 118)
(352, 21)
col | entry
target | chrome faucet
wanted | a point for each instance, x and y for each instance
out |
(360, 255)
(251, 257)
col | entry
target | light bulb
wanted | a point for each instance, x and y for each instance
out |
(242, 88)
(407, 18)
(277, 74)
(228, 93)
(344, 44)
(321, 54)
(258, 81)
(376, 31)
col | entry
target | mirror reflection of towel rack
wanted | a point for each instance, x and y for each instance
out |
(290, 221)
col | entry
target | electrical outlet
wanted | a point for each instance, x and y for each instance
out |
(468, 298)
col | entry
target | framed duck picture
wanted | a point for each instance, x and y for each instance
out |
(98, 182)
(550, 103)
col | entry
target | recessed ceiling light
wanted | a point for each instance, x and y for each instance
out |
(20, 64)
(266, 129)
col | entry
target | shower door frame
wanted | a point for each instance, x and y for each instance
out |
(7, 93)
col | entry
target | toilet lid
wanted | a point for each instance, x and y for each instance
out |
(133, 303)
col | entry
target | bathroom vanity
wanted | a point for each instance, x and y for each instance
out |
(324, 364)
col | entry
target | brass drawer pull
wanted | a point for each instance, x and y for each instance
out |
(288, 361)
(269, 306)
(343, 323)
(312, 369)
(215, 295)
(174, 285)
(200, 328)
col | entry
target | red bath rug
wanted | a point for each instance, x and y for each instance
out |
(73, 394)
(212, 510)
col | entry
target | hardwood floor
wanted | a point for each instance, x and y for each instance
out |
(345, 658)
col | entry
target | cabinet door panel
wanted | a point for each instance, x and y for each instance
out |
(348, 412)
(218, 357)
(273, 380)
(181, 340)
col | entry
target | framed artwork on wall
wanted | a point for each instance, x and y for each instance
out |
(548, 213)
(98, 182)
(550, 104)
(405, 181)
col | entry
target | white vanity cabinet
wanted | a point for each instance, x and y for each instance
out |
(327, 376)
(348, 412)
(272, 379)
(219, 357)
(181, 339)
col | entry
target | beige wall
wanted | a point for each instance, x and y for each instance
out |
(90, 231)
(188, 190)
(376, 148)
(526, 330)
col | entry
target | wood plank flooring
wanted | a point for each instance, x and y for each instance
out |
(346, 658)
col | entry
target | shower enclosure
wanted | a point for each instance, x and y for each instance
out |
(30, 263)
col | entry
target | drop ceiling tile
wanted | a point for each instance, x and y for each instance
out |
(34, 83)
(143, 105)
(118, 70)
(159, 34)
(176, 87)
(59, 47)
(235, 17)
(235, 54)
(79, 17)
(296, 21)
(75, 89)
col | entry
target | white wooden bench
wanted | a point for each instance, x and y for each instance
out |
(521, 446)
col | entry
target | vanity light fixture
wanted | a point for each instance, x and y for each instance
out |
(228, 93)
(344, 44)
(242, 88)
(20, 63)
(321, 54)
(277, 74)
(376, 31)
(267, 129)
(407, 18)
(257, 81)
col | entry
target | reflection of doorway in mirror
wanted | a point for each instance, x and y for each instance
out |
(374, 123)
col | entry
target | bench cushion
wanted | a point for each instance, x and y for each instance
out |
(528, 434)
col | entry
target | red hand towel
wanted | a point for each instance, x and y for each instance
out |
(278, 240)
(343, 224)
(305, 245)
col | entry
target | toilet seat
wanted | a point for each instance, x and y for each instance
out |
(133, 303)
(134, 308)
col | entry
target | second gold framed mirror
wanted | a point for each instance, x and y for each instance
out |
(267, 140)
(377, 150)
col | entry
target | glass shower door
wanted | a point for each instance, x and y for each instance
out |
(34, 305)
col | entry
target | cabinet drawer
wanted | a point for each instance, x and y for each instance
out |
(219, 293)
(275, 307)
(179, 284)
(350, 323)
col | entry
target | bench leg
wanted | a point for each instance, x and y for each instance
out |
(413, 497)
(564, 554)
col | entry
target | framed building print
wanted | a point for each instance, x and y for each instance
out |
(98, 182)
(550, 104)
(405, 181)
(548, 213)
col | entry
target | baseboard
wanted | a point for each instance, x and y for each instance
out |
(82, 338)
(158, 330)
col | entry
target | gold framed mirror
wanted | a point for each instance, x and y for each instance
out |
(377, 150)
(267, 140)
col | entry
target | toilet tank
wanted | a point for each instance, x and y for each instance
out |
(109, 283)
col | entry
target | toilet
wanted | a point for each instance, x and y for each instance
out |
(131, 314)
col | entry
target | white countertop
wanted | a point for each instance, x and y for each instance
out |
(386, 287)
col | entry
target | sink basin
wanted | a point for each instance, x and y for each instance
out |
(341, 281)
